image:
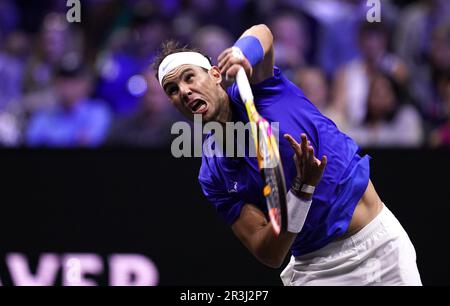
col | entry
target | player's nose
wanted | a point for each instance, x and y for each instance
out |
(185, 92)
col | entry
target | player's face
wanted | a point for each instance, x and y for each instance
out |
(194, 90)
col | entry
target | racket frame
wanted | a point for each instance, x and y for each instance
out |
(268, 161)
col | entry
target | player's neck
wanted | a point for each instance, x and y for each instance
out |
(225, 114)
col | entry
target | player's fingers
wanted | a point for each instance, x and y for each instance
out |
(323, 163)
(231, 57)
(304, 138)
(293, 143)
(311, 154)
(225, 69)
(232, 71)
(224, 54)
(223, 61)
(304, 146)
(228, 61)
(232, 66)
(296, 159)
(291, 140)
(304, 143)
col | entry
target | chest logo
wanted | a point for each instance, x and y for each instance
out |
(234, 189)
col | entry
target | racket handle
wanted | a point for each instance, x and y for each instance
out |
(244, 86)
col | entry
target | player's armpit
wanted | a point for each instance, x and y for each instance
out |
(256, 233)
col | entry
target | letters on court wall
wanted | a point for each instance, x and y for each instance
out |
(73, 269)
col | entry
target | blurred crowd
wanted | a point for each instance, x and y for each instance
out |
(91, 83)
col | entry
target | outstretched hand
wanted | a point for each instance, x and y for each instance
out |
(309, 168)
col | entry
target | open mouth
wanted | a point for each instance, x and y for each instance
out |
(198, 106)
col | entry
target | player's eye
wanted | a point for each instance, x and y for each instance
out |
(172, 90)
(189, 77)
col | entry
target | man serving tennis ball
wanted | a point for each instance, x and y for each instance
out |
(339, 231)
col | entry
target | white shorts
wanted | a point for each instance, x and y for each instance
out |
(379, 254)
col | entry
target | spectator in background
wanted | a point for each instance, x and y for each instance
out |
(440, 137)
(351, 83)
(415, 28)
(232, 15)
(100, 18)
(76, 120)
(12, 57)
(56, 41)
(11, 76)
(388, 122)
(212, 40)
(117, 68)
(313, 82)
(292, 41)
(150, 125)
(427, 86)
(339, 22)
(9, 130)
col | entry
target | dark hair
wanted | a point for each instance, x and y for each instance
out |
(169, 47)
(144, 13)
(373, 27)
(399, 92)
(72, 68)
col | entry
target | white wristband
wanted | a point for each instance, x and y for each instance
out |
(297, 211)
(308, 189)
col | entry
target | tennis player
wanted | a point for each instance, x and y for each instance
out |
(339, 231)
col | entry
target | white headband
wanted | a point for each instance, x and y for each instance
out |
(175, 60)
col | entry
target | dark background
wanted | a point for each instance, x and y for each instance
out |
(144, 201)
(109, 201)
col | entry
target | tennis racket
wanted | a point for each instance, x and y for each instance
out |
(269, 162)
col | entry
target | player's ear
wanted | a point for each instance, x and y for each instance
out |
(215, 74)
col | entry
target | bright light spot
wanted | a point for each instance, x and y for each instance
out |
(137, 85)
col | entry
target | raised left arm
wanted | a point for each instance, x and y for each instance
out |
(256, 45)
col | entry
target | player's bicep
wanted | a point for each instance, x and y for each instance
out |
(249, 222)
